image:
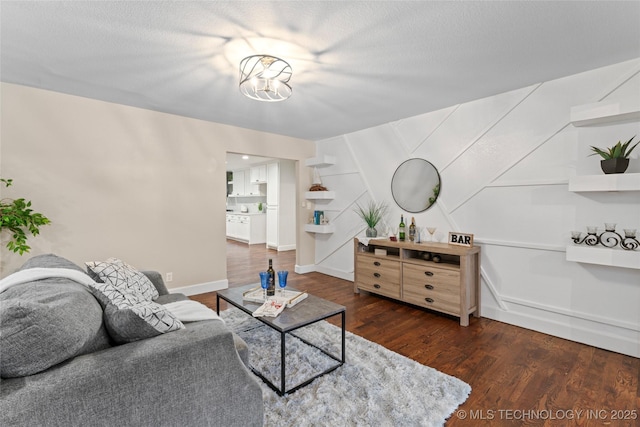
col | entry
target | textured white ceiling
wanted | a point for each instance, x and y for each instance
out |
(356, 64)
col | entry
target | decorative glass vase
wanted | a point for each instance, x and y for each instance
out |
(372, 232)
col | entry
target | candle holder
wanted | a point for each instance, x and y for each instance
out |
(608, 238)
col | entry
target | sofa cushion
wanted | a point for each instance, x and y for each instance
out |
(129, 317)
(122, 276)
(49, 261)
(166, 299)
(45, 322)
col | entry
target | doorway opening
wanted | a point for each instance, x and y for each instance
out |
(261, 214)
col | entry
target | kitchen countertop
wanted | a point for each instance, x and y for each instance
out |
(245, 213)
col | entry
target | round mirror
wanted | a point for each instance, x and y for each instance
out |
(415, 185)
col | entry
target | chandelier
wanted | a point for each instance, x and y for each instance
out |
(265, 78)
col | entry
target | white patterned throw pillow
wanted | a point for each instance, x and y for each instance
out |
(123, 276)
(129, 319)
(129, 312)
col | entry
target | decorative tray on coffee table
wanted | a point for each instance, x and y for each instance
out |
(289, 297)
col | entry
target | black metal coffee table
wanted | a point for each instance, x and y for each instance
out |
(307, 312)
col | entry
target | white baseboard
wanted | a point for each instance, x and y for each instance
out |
(304, 269)
(287, 248)
(621, 341)
(201, 288)
(310, 268)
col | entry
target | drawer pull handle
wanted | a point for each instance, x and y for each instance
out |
(377, 286)
(429, 287)
(428, 299)
(376, 263)
(428, 273)
(376, 275)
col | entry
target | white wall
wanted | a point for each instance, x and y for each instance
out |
(140, 185)
(505, 162)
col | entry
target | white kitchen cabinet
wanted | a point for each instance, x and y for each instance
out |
(249, 228)
(243, 186)
(238, 183)
(272, 227)
(281, 205)
(258, 174)
(273, 183)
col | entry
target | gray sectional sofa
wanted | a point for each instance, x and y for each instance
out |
(59, 365)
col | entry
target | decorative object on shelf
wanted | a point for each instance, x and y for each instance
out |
(318, 217)
(372, 214)
(317, 182)
(260, 207)
(415, 185)
(265, 78)
(615, 159)
(17, 217)
(608, 238)
(461, 239)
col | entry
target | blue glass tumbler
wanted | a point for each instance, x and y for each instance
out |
(282, 281)
(264, 283)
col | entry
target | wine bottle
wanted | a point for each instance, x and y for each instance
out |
(271, 290)
(401, 235)
(412, 229)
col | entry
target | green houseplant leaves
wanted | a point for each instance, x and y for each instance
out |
(618, 151)
(18, 218)
(372, 214)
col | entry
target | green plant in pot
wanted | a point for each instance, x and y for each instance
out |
(615, 159)
(372, 214)
(17, 217)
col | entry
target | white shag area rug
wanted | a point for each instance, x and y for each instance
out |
(375, 386)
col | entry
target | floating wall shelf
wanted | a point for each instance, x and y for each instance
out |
(604, 256)
(611, 182)
(320, 161)
(320, 195)
(600, 113)
(320, 229)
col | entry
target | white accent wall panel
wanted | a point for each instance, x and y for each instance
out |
(505, 162)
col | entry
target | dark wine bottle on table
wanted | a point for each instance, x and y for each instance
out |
(271, 290)
(401, 233)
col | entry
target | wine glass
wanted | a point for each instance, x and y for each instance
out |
(264, 283)
(431, 230)
(282, 281)
(393, 237)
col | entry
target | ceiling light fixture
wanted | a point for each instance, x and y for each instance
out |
(265, 78)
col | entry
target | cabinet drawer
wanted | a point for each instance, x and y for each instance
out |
(438, 291)
(380, 269)
(380, 276)
(418, 275)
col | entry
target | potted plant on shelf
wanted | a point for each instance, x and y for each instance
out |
(615, 159)
(372, 214)
(18, 218)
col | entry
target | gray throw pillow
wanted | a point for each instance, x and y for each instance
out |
(45, 322)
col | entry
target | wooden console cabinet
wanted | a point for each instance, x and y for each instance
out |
(407, 273)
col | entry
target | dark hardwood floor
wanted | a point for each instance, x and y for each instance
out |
(518, 377)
